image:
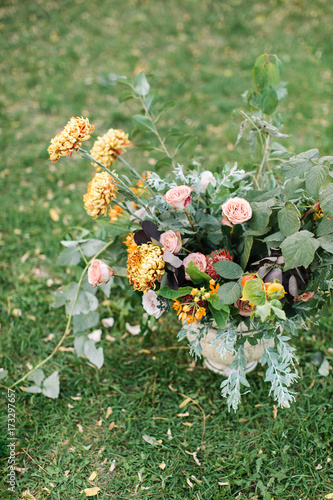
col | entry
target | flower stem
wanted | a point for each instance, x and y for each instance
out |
(195, 232)
(66, 332)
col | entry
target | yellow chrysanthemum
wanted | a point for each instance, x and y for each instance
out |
(145, 265)
(101, 191)
(69, 140)
(109, 146)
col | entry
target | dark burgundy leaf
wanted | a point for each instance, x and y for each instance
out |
(180, 274)
(172, 281)
(274, 274)
(151, 229)
(292, 286)
(140, 237)
(262, 271)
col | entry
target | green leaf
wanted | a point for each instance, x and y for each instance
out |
(274, 240)
(326, 201)
(228, 269)
(164, 162)
(326, 242)
(288, 219)
(91, 246)
(167, 293)
(69, 257)
(85, 301)
(196, 275)
(253, 292)
(299, 249)
(141, 84)
(95, 356)
(325, 226)
(279, 313)
(248, 242)
(51, 386)
(298, 165)
(143, 122)
(315, 178)
(229, 293)
(268, 100)
(215, 301)
(220, 316)
(260, 216)
(83, 322)
(263, 311)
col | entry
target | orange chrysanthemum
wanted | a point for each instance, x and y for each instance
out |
(115, 212)
(70, 139)
(145, 265)
(108, 147)
(101, 191)
(130, 243)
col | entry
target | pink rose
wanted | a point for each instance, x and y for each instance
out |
(99, 272)
(178, 197)
(236, 211)
(151, 304)
(198, 260)
(171, 240)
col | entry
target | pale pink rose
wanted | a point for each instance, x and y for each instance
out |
(236, 211)
(198, 260)
(178, 197)
(150, 304)
(171, 240)
(206, 178)
(99, 272)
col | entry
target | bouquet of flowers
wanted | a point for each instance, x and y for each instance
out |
(247, 254)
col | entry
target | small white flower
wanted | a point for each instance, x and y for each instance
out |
(133, 329)
(206, 178)
(150, 304)
(95, 335)
(108, 322)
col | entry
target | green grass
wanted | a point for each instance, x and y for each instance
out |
(200, 55)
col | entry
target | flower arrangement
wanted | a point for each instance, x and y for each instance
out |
(226, 249)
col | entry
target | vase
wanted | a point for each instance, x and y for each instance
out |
(212, 357)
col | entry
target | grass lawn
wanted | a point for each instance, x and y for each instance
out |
(54, 55)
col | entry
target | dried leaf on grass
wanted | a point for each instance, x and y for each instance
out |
(108, 412)
(92, 492)
(151, 440)
(79, 426)
(329, 496)
(185, 402)
(54, 215)
(162, 466)
(92, 476)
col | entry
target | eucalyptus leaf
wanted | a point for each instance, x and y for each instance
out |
(37, 376)
(69, 257)
(95, 356)
(79, 342)
(51, 386)
(34, 389)
(83, 322)
(3, 374)
(91, 246)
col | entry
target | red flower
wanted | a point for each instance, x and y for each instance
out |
(214, 257)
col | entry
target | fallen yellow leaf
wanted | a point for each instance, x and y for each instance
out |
(329, 496)
(185, 402)
(92, 492)
(54, 215)
(108, 412)
(93, 475)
